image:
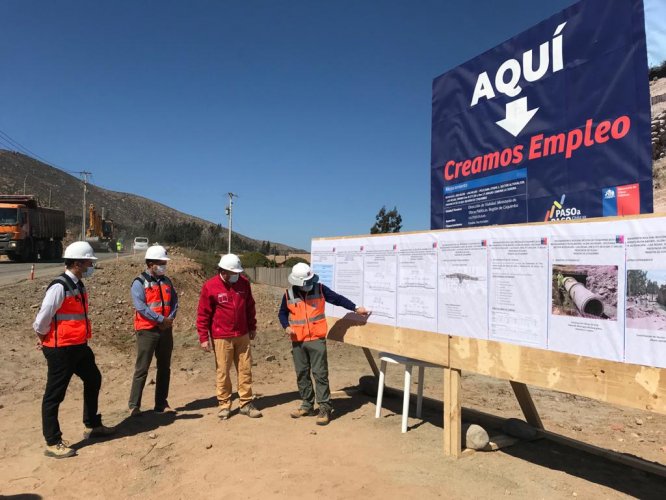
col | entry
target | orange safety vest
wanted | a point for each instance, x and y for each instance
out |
(307, 318)
(70, 325)
(158, 299)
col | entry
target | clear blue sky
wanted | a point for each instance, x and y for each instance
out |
(315, 113)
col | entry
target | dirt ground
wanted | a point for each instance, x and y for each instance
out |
(193, 454)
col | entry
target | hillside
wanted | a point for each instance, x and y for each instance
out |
(128, 211)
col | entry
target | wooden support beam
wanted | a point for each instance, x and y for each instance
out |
(613, 456)
(425, 346)
(371, 361)
(527, 404)
(623, 384)
(452, 413)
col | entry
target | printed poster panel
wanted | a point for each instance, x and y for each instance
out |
(380, 279)
(417, 282)
(323, 264)
(594, 289)
(518, 294)
(645, 331)
(463, 283)
(587, 283)
(348, 273)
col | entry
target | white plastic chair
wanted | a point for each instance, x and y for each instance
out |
(385, 358)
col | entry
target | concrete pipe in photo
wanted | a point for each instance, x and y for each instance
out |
(586, 301)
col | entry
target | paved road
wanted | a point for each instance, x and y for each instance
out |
(13, 272)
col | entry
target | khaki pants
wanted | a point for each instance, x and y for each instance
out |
(235, 350)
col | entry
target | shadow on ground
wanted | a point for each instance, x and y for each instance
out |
(145, 422)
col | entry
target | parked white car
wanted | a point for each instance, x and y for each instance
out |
(140, 243)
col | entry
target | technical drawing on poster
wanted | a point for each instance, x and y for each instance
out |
(463, 286)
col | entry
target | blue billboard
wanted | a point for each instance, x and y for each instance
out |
(552, 124)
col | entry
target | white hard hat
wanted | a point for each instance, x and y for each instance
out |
(80, 250)
(156, 252)
(230, 262)
(301, 273)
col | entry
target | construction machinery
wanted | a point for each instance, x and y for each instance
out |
(100, 231)
(28, 231)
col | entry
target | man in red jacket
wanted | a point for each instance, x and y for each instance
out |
(227, 315)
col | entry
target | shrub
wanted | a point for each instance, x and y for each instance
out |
(255, 259)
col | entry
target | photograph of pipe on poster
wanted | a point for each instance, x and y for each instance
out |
(586, 292)
(348, 273)
(518, 291)
(463, 284)
(380, 266)
(645, 333)
(417, 282)
(322, 256)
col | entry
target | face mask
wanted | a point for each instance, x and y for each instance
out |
(89, 272)
(160, 270)
(233, 278)
(307, 288)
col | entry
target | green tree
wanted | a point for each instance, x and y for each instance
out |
(387, 221)
(636, 282)
(652, 287)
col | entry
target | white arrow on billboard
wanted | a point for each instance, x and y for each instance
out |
(517, 116)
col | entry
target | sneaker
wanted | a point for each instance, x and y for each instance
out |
(99, 431)
(324, 416)
(134, 412)
(224, 413)
(60, 450)
(250, 410)
(303, 412)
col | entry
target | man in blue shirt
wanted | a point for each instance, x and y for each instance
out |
(302, 315)
(156, 304)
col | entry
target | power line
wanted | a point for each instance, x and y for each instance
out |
(14, 144)
(21, 147)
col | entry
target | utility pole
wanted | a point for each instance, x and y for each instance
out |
(84, 177)
(229, 212)
(24, 181)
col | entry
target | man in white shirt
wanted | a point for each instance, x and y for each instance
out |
(63, 330)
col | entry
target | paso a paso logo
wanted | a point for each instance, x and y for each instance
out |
(561, 212)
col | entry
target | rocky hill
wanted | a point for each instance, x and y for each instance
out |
(65, 192)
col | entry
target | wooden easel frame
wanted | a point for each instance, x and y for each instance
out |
(624, 384)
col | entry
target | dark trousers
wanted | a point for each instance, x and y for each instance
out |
(310, 358)
(151, 343)
(63, 362)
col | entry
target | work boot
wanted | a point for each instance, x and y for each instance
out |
(303, 412)
(166, 409)
(224, 413)
(59, 450)
(134, 412)
(99, 431)
(324, 416)
(250, 410)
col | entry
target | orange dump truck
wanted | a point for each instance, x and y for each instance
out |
(28, 231)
